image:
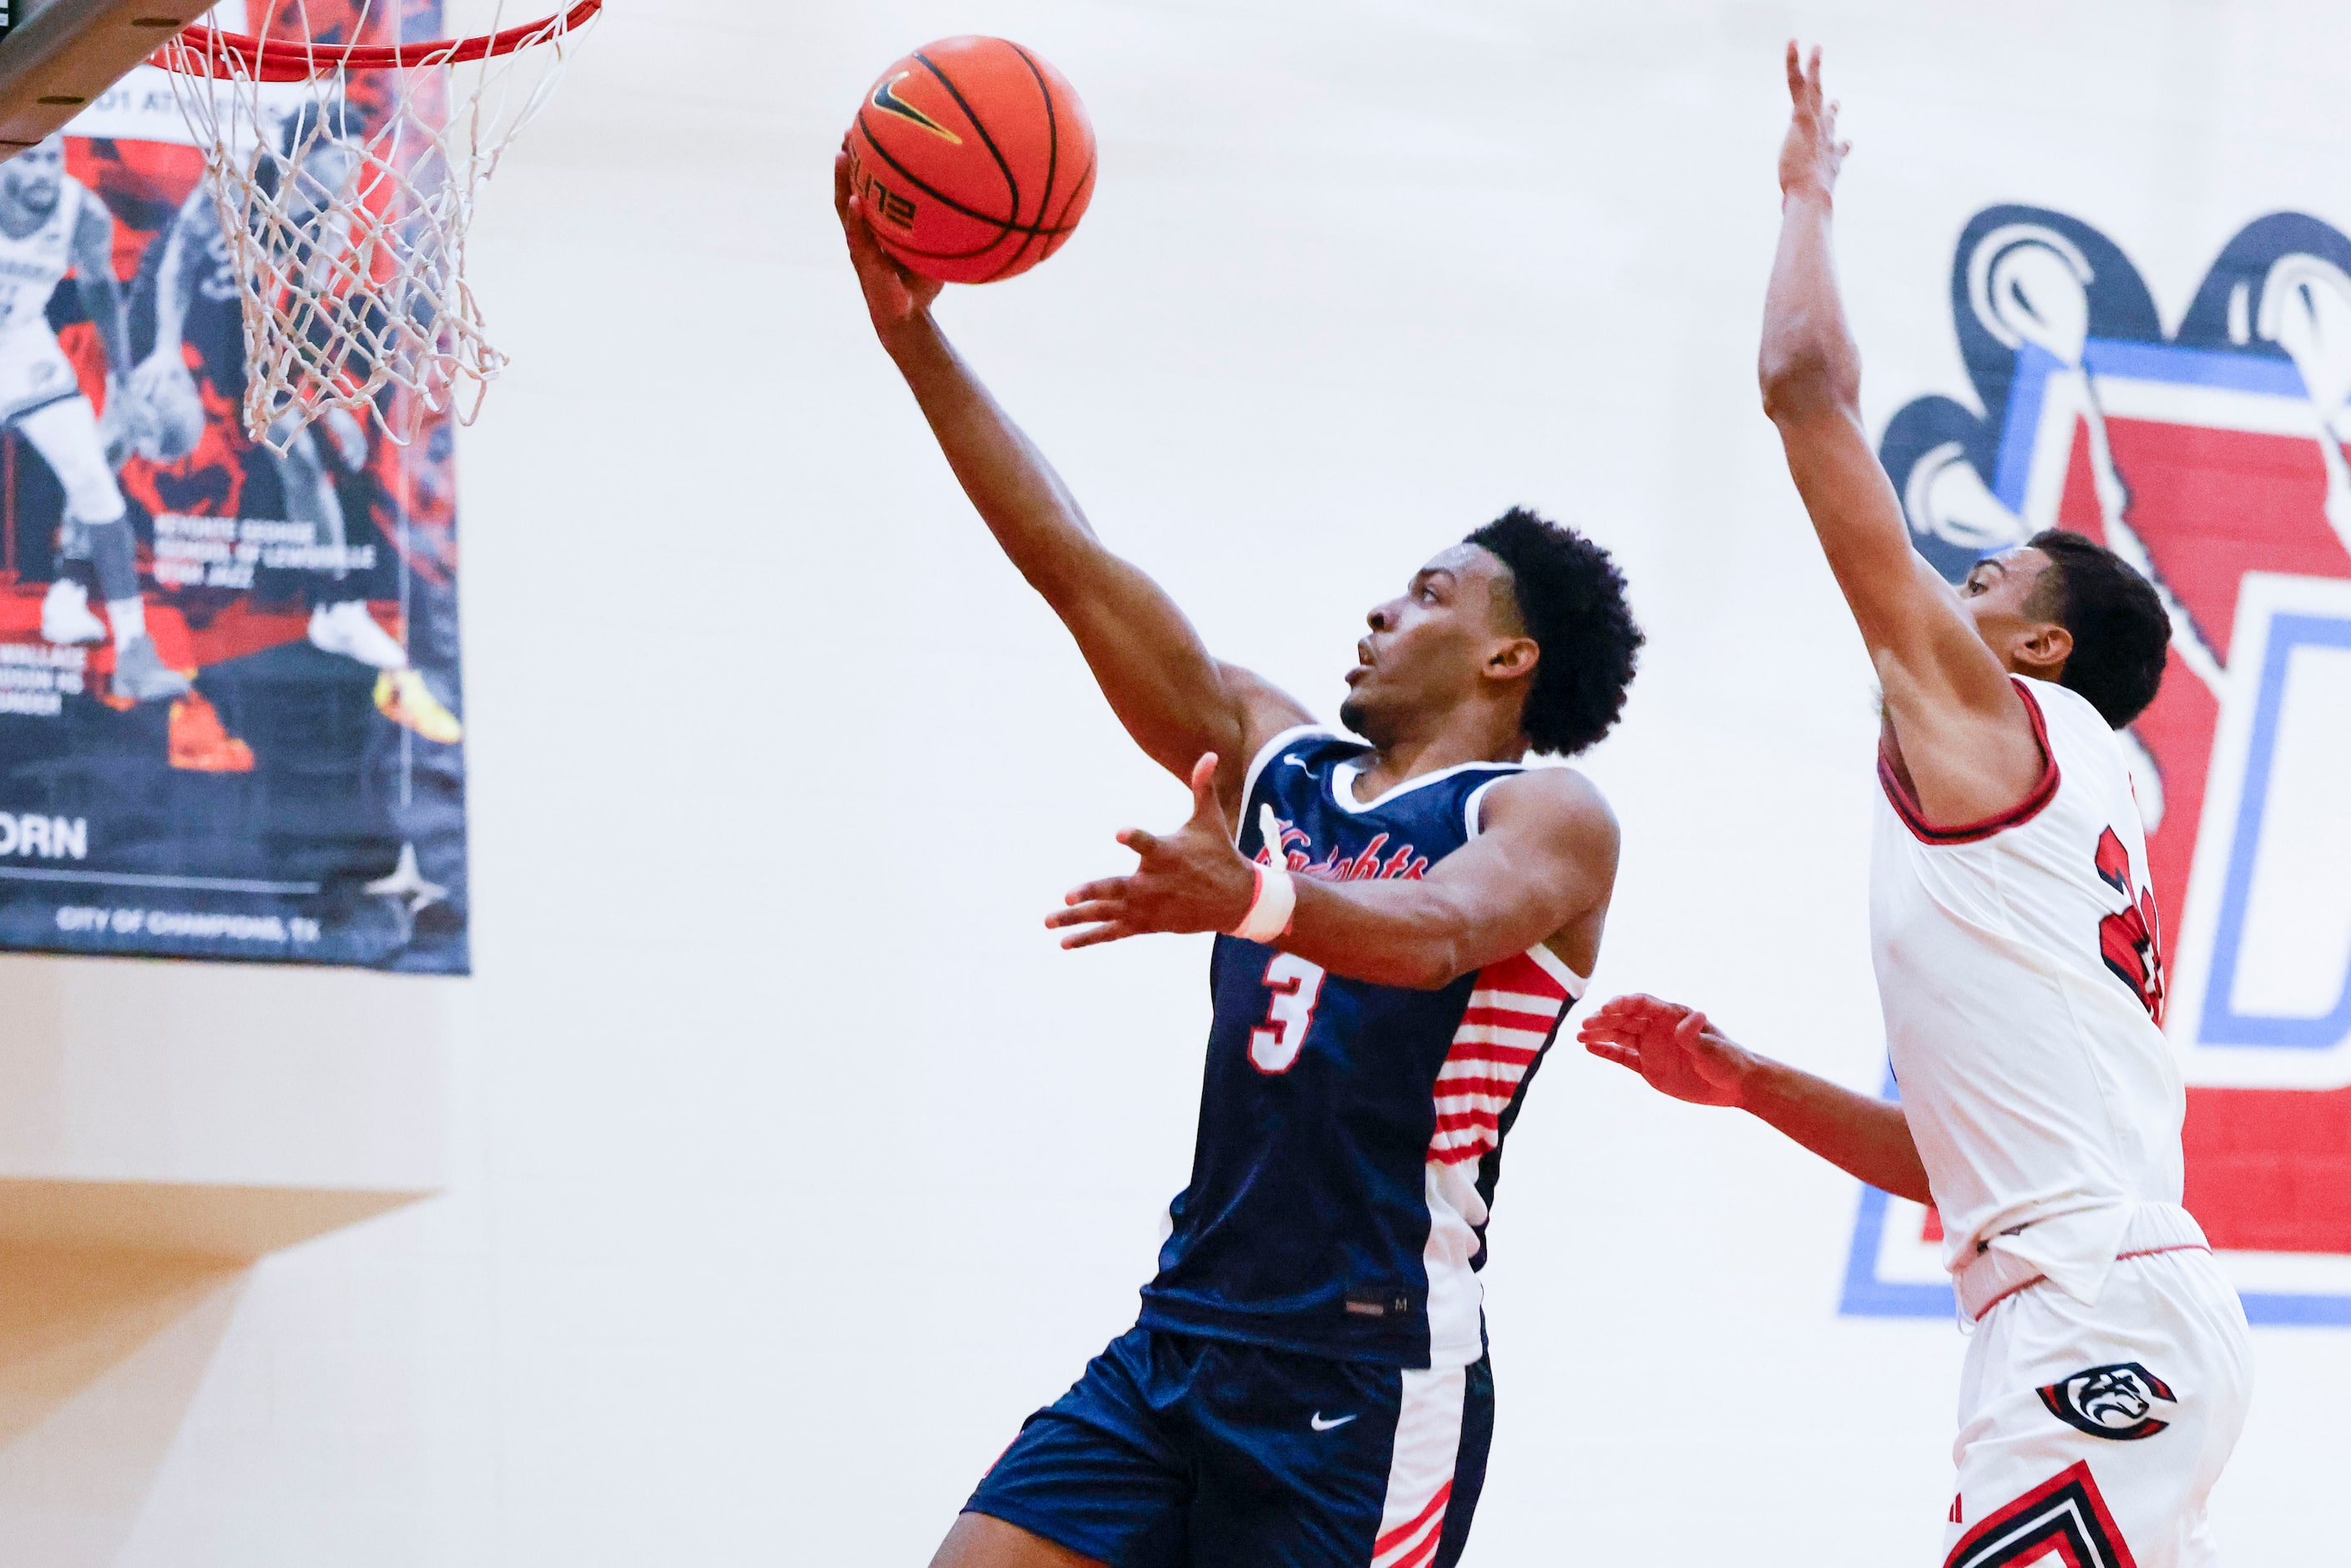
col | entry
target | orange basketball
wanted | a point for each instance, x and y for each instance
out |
(973, 160)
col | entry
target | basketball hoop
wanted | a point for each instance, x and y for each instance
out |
(344, 175)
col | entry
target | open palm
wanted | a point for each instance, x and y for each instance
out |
(1670, 1045)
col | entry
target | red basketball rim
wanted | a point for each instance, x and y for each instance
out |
(292, 59)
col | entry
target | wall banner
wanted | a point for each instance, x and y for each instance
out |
(2213, 456)
(229, 692)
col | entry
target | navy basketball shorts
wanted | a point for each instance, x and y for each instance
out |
(1177, 1452)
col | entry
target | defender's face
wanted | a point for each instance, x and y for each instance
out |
(1998, 595)
(1429, 645)
(33, 178)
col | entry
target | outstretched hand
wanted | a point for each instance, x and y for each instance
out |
(1811, 155)
(1670, 1045)
(1190, 880)
(894, 297)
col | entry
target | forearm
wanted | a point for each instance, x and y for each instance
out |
(1863, 1136)
(175, 280)
(1159, 678)
(102, 298)
(1415, 934)
(1016, 491)
(1809, 364)
(1811, 374)
(1390, 934)
(1544, 859)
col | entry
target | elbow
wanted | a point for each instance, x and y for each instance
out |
(1436, 972)
(1913, 1186)
(1054, 588)
(1063, 579)
(1433, 966)
(1805, 378)
(1425, 967)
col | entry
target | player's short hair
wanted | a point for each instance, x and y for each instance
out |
(1570, 599)
(2121, 633)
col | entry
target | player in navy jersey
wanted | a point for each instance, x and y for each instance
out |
(1405, 920)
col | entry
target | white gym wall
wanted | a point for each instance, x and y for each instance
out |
(785, 1163)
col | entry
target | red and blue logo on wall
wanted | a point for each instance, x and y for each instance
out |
(2214, 458)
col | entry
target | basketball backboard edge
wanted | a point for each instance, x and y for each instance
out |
(65, 53)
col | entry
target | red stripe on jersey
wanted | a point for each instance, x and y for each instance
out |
(1488, 1076)
(1402, 1533)
(1502, 1018)
(1461, 1088)
(1521, 974)
(1425, 1551)
(1491, 1055)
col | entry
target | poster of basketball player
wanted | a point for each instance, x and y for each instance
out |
(229, 689)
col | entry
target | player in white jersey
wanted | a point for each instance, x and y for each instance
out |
(2019, 969)
(50, 225)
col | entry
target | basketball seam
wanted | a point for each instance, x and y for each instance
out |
(941, 197)
(1052, 161)
(901, 248)
(1003, 167)
(1065, 230)
(1075, 192)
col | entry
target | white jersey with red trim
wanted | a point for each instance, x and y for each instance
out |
(2019, 965)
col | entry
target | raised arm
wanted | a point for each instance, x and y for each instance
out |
(101, 291)
(1540, 870)
(1175, 700)
(176, 289)
(1963, 731)
(1681, 1054)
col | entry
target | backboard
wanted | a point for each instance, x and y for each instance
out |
(61, 53)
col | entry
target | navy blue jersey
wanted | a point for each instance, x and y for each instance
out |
(1350, 1133)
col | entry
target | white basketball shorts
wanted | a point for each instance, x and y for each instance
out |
(33, 370)
(2092, 1436)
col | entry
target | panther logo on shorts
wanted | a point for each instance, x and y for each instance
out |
(2115, 1401)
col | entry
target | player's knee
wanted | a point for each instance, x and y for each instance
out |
(95, 502)
(91, 494)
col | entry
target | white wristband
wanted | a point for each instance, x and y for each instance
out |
(1269, 912)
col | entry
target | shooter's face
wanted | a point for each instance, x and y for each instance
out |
(1454, 626)
(32, 179)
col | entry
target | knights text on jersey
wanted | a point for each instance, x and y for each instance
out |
(1350, 1133)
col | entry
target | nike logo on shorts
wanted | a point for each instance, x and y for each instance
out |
(1320, 1425)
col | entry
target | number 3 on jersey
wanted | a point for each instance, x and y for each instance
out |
(1290, 1012)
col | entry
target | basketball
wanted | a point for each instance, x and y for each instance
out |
(973, 160)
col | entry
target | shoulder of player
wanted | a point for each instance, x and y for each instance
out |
(2062, 704)
(1953, 703)
(2075, 732)
(1264, 709)
(1551, 802)
(93, 225)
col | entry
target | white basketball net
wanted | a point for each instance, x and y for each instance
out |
(344, 177)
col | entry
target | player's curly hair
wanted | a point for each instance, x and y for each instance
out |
(1570, 599)
(2121, 635)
